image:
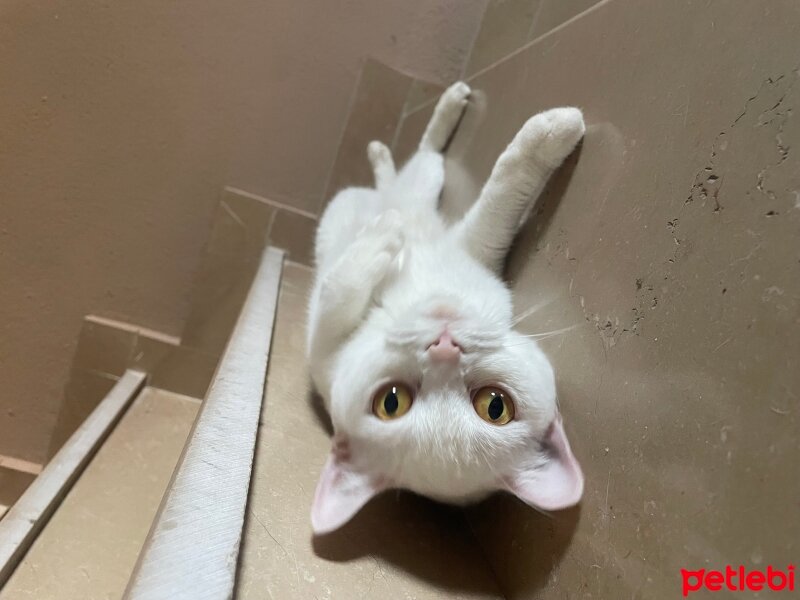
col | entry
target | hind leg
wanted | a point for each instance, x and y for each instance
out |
(419, 183)
(380, 157)
(445, 117)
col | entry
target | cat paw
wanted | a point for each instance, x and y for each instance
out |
(551, 135)
(369, 259)
(388, 228)
(380, 242)
(452, 103)
(445, 117)
(380, 157)
(457, 95)
(378, 153)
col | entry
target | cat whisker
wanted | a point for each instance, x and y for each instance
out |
(546, 334)
(528, 312)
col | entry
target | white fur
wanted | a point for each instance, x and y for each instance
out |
(390, 276)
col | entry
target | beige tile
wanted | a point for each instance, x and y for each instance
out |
(294, 233)
(83, 393)
(239, 234)
(553, 13)
(421, 93)
(104, 348)
(399, 544)
(669, 239)
(241, 225)
(185, 371)
(375, 112)
(89, 547)
(505, 27)
(219, 290)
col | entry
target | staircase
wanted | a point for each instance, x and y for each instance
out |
(679, 291)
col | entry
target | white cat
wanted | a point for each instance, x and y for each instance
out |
(410, 338)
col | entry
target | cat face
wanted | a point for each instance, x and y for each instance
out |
(442, 397)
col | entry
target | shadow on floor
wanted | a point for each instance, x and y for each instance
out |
(448, 546)
(429, 541)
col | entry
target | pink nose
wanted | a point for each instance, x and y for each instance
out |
(445, 349)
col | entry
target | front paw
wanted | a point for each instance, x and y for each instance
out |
(379, 243)
(550, 136)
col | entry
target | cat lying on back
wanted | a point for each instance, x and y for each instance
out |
(410, 338)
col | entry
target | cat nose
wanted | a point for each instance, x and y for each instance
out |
(444, 349)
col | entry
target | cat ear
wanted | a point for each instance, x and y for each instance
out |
(555, 484)
(341, 492)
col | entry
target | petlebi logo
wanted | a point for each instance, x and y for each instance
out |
(738, 579)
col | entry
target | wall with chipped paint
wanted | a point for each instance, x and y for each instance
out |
(121, 123)
(669, 245)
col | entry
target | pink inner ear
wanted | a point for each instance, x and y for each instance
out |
(556, 483)
(341, 492)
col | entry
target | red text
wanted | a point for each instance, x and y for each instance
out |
(738, 580)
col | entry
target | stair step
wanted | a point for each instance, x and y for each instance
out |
(30, 513)
(194, 541)
(90, 544)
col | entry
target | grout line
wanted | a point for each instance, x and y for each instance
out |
(546, 34)
(323, 200)
(401, 119)
(521, 49)
(271, 223)
(401, 116)
(275, 203)
(419, 81)
(534, 20)
(475, 36)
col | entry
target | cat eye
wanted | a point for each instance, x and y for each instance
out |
(493, 405)
(391, 401)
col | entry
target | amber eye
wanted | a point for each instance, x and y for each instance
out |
(391, 401)
(493, 405)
